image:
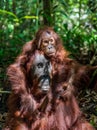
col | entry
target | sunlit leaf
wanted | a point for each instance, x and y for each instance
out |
(9, 13)
(29, 17)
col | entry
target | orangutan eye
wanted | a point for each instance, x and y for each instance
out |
(48, 63)
(40, 65)
(51, 40)
(45, 41)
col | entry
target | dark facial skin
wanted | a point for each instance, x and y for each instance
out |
(41, 71)
(48, 44)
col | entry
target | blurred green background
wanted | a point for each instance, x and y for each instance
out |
(74, 20)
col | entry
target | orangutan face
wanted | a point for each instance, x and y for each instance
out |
(41, 70)
(47, 43)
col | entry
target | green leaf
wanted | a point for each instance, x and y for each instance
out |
(29, 17)
(9, 13)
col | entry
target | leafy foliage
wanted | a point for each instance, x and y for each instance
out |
(74, 22)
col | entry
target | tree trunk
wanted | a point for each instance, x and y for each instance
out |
(14, 6)
(47, 20)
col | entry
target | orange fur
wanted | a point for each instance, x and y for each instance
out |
(58, 109)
